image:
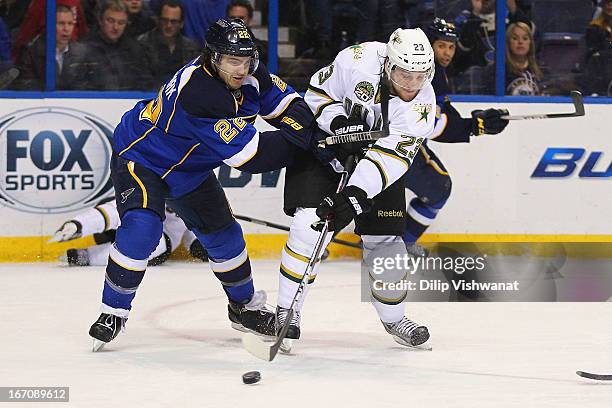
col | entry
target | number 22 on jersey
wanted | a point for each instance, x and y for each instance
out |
(227, 129)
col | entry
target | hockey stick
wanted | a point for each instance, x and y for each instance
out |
(254, 344)
(602, 377)
(352, 137)
(286, 228)
(578, 111)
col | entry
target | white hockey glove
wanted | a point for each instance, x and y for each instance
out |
(68, 231)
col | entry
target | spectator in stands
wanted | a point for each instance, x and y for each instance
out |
(523, 74)
(378, 19)
(140, 20)
(35, 21)
(167, 49)
(598, 67)
(243, 10)
(599, 31)
(69, 56)
(5, 47)
(13, 12)
(199, 15)
(476, 46)
(115, 61)
(319, 15)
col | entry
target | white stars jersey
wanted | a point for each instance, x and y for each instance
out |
(350, 87)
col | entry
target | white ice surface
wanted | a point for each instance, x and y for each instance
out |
(179, 351)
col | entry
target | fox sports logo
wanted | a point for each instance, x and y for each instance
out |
(54, 160)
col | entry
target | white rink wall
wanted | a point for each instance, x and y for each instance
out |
(494, 189)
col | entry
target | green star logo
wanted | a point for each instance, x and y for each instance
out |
(423, 116)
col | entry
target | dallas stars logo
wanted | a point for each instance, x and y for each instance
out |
(396, 39)
(357, 51)
(423, 110)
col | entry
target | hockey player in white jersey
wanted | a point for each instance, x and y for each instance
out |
(102, 222)
(365, 86)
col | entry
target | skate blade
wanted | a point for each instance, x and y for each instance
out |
(286, 346)
(423, 347)
(241, 328)
(97, 345)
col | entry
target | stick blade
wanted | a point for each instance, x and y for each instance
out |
(578, 102)
(257, 347)
(592, 376)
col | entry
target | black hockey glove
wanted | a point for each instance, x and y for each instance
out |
(297, 124)
(488, 121)
(341, 125)
(341, 208)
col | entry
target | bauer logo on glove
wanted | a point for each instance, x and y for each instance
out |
(349, 129)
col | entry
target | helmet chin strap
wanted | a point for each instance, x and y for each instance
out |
(218, 68)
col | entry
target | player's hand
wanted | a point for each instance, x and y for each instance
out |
(488, 121)
(323, 153)
(342, 125)
(341, 208)
(68, 231)
(297, 124)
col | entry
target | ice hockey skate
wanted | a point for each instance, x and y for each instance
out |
(105, 329)
(293, 333)
(408, 333)
(77, 257)
(253, 317)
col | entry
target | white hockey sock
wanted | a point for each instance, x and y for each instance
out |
(289, 279)
(389, 313)
(295, 256)
(386, 246)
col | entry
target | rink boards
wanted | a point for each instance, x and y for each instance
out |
(540, 181)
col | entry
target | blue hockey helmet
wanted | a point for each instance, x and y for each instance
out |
(440, 29)
(231, 37)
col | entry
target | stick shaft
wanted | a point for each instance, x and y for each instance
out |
(286, 228)
(316, 254)
(578, 111)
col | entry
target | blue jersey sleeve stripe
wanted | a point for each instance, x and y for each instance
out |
(282, 106)
(137, 140)
(432, 163)
(440, 126)
(244, 155)
(181, 161)
(181, 86)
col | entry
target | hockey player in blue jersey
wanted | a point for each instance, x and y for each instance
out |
(165, 150)
(428, 178)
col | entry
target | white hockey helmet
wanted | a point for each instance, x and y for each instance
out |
(410, 63)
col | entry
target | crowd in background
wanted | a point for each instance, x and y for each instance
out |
(138, 44)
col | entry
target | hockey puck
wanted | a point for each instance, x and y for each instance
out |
(251, 377)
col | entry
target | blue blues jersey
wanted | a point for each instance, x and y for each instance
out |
(450, 126)
(196, 123)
